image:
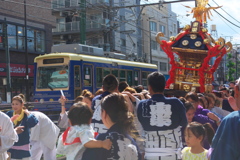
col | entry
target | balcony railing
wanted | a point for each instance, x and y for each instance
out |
(75, 26)
(75, 3)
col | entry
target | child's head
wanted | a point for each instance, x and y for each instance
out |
(196, 132)
(80, 114)
(190, 111)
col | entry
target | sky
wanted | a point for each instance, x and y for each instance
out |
(224, 28)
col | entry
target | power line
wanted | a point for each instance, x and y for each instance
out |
(227, 13)
(225, 18)
(228, 25)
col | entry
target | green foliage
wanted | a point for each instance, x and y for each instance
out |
(230, 66)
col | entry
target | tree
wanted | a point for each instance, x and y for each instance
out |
(230, 66)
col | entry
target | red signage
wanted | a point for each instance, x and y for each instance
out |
(16, 70)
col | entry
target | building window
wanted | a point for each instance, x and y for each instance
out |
(163, 66)
(155, 62)
(1, 35)
(40, 41)
(153, 26)
(153, 45)
(12, 36)
(174, 28)
(162, 29)
(122, 18)
(20, 37)
(16, 38)
(30, 43)
(123, 42)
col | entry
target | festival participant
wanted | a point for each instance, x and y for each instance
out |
(109, 85)
(122, 86)
(43, 138)
(193, 98)
(216, 110)
(98, 92)
(162, 119)
(86, 96)
(21, 149)
(80, 135)
(7, 135)
(226, 142)
(119, 121)
(195, 133)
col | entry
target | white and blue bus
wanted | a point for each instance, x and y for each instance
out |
(74, 72)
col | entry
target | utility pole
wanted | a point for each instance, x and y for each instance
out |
(26, 52)
(83, 22)
(7, 61)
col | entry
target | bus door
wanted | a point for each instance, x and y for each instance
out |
(136, 77)
(88, 77)
(77, 81)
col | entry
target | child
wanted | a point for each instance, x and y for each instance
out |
(194, 136)
(80, 135)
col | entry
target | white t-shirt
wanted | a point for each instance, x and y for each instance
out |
(75, 151)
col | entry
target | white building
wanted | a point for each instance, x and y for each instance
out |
(154, 20)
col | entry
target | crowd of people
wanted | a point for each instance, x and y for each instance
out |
(124, 122)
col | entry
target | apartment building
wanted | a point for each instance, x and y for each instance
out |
(39, 23)
(109, 25)
(158, 19)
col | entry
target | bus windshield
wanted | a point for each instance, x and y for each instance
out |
(52, 77)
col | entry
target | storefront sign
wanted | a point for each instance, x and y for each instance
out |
(16, 70)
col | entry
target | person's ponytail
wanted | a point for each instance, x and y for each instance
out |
(209, 132)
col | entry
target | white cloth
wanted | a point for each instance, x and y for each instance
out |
(38, 149)
(75, 151)
(45, 131)
(169, 141)
(63, 121)
(22, 159)
(220, 111)
(7, 135)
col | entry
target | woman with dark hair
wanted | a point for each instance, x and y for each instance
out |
(119, 121)
(21, 149)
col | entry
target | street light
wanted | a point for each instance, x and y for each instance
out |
(26, 53)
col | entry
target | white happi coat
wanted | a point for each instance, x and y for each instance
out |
(7, 135)
(45, 131)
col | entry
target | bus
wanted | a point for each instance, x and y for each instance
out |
(73, 72)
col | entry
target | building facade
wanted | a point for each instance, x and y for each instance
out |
(39, 22)
(109, 25)
(158, 19)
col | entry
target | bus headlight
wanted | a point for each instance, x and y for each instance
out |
(41, 100)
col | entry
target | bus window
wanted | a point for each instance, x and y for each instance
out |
(136, 78)
(144, 79)
(122, 75)
(115, 73)
(99, 77)
(87, 75)
(106, 71)
(76, 76)
(77, 84)
(129, 78)
(52, 77)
